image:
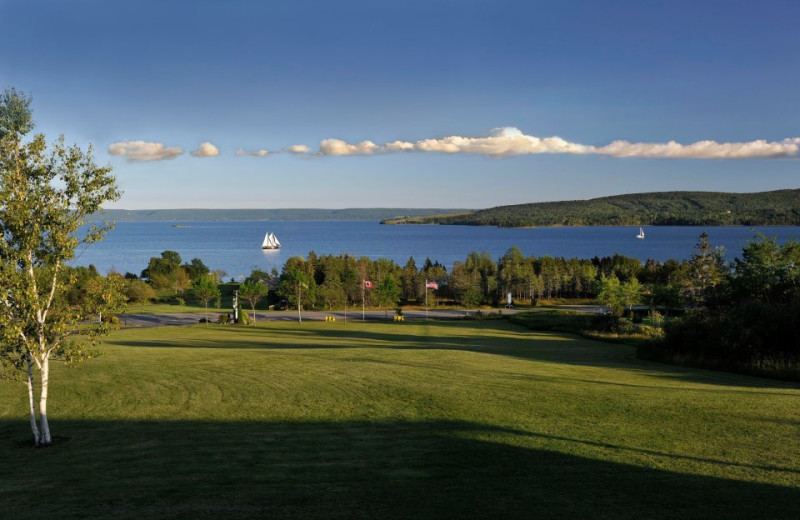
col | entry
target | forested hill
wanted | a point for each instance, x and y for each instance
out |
(181, 215)
(677, 208)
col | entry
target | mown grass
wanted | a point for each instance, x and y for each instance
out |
(472, 419)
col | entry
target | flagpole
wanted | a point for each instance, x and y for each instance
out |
(426, 298)
(363, 289)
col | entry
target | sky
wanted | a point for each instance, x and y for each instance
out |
(436, 103)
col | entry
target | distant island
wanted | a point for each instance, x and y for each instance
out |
(675, 208)
(195, 215)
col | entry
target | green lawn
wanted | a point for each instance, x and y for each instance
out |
(472, 419)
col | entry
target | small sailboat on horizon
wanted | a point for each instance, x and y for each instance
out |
(270, 242)
(641, 233)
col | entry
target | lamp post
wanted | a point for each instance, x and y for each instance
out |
(236, 306)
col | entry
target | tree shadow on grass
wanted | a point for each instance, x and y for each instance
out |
(179, 469)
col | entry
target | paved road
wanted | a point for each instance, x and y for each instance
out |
(156, 320)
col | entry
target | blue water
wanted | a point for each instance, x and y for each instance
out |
(235, 247)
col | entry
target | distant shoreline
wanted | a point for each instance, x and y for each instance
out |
(287, 214)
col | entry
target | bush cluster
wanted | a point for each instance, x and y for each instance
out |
(746, 320)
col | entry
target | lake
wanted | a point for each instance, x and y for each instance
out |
(235, 246)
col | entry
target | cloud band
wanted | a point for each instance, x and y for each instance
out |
(501, 142)
(508, 141)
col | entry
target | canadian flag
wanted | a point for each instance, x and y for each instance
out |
(432, 285)
(367, 284)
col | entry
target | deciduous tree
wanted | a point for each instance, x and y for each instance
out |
(253, 291)
(388, 293)
(609, 293)
(205, 289)
(46, 195)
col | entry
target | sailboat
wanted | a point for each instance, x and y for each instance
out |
(641, 233)
(270, 242)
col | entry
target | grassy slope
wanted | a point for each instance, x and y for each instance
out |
(431, 420)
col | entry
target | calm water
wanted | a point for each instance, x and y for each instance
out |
(235, 247)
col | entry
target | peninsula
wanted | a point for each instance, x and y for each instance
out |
(676, 208)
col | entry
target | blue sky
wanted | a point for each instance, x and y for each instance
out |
(414, 104)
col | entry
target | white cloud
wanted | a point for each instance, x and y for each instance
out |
(205, 149)
(298, 149)
(507, 141)
(399, 146)
(253, 153)
(501, 141)
(339, 147)
(759, 149)
(136, 151)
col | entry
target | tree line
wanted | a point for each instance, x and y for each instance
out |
(332, 281)
(327, 282)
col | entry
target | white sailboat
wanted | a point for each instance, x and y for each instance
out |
(641, 233)
(270, 242)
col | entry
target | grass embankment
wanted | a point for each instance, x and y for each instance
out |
(467, 419)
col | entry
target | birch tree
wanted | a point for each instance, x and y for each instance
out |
(205, 289)
(253, 291)
(46, 195)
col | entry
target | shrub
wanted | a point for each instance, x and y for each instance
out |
(481, 316)
(624, 326)
(651, 332)
(656, 318)
(244, 318)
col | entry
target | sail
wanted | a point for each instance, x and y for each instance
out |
(270, 242)
(641, 233)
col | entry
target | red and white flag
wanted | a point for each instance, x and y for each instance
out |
(367, 284)
(432, 285)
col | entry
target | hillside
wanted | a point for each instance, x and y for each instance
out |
(125, 215)
(678, 208)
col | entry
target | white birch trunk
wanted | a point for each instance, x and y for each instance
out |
(32, 401)
(299, 299)
(45, 426)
